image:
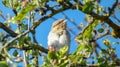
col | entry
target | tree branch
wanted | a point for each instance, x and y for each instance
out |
(8, 30)
(25, 58)
(50, 15)
(15, 38)
(30, 47)
(13, 34)
(111, 10)
(73, 6)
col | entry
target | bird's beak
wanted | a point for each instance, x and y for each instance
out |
(64, 21)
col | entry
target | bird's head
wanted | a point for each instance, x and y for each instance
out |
(59, 25)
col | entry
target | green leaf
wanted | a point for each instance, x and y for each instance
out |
(79, 48)
(23, 13)
(77, 5)
(27, 38)
(63, 51)
(107, 42)
(100, 30)
(24, 27)
(30, 65)
(13, 43)
(14, 4)
(47, 62)
(30, 52)
(6, 3)
(88, 7)
(73, 58)
(87, 1)
(88, 31)
(15, 53)
(52, 55)
(21, 41)
(64, 63)
(3, 64)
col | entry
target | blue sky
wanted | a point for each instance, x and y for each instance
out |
(43, 29)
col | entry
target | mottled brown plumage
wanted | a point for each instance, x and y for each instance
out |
(58, 36)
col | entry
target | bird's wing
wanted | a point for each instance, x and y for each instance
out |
(64, 38)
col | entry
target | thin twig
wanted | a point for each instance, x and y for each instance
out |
(116, 18)
(3, 17)
(49, 16)
(18, 36)
(113, 7)
(29, 21)
(25, 58)
(102, 35)
(34, 38)
(33, 31)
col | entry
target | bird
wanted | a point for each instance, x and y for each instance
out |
(58, 36)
